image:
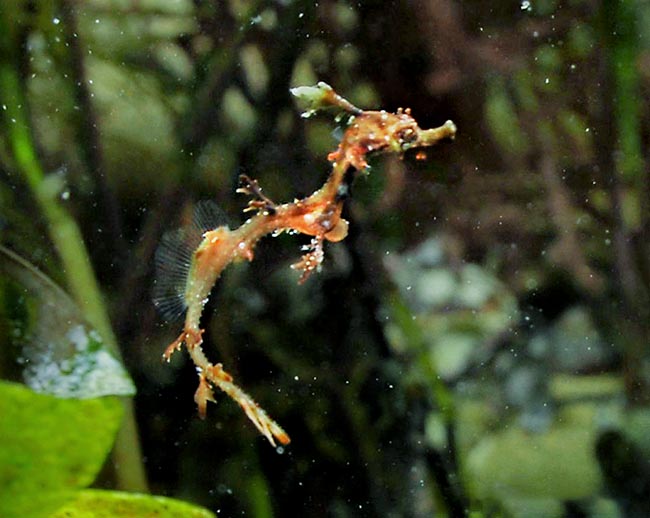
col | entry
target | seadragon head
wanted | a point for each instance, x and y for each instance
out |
(382, 131)
(370, 131)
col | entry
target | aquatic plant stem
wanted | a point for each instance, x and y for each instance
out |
(619, 146)
(446, 470)
(67, 239)
(442, 396)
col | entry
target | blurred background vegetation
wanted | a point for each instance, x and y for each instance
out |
(478, 345)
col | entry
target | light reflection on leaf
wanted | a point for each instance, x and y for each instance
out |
(45, 342)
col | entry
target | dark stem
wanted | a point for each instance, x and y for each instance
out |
(88, 135)
(443, 467)
(619, 93)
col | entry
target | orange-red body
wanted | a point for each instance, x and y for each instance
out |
(318, 215)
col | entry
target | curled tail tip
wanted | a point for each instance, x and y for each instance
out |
(282, 437)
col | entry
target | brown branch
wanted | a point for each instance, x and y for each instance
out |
(567, 250)
(462, 55)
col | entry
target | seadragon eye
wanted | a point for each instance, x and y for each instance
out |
(405, 137)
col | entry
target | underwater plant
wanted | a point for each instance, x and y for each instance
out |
(190, 260)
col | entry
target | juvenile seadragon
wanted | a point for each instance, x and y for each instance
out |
(190, 261)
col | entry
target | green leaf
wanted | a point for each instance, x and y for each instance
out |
(503, 120)
(49, 447)
(45, 342)
(93, 503)
(558, 464)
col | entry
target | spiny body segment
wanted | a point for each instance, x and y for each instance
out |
(190, 261)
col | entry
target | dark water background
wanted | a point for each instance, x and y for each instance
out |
(480, 341)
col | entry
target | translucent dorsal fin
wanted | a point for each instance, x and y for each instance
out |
(208, 216)
(174, 256)
(173, 261)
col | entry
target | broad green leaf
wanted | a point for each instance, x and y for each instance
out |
(567, 387)
(44, 341)
(49, 447)
(557, 464)
(93, 503)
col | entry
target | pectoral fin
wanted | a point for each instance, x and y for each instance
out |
(339, 232)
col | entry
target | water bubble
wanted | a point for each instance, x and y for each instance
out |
(56, 21)
(279, 450)
(526, 6)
